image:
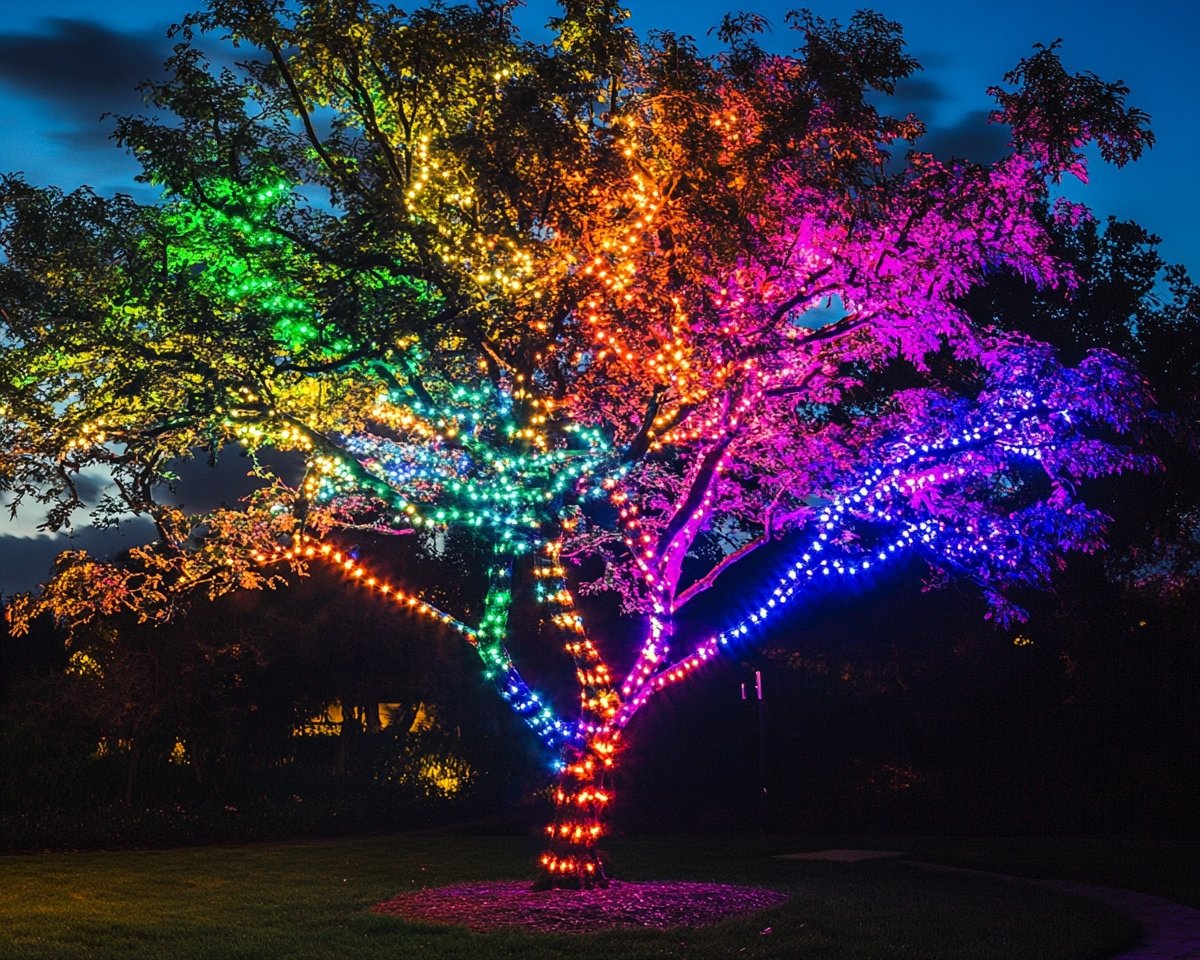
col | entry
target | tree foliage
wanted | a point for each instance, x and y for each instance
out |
(597, 297)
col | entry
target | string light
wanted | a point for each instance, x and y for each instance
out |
(487, 639)
(879, 500)
(467, 362)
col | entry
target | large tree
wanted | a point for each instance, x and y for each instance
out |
(597, 297)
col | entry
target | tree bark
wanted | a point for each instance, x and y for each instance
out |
(572, 858)
(132, 759)
(348, 733)
(371, 712)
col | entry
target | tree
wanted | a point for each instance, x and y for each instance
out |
(1132, 302)
(592, 298)
(1124, 623)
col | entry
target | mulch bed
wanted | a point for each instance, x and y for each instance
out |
(508, 905)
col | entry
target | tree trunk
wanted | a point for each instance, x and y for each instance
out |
(132, 759)
(348, 733)
(572, 858)
(197, 759)
(371, 712)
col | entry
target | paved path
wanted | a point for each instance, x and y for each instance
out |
(1170, 931)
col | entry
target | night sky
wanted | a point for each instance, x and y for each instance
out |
(64, 64)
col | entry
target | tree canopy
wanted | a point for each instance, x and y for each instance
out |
(594, 297)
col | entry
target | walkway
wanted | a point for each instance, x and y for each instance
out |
(1170, 931)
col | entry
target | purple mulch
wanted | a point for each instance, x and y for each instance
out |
(512, 905)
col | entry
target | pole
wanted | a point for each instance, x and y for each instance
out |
(762, 754)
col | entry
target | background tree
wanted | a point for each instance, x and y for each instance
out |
(1129, 301)
(579, 297)
(254, 715)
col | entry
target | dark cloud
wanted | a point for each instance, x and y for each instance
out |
(77, 71)
(202, 487)
(26, 556)
(82, 68)
(918, 95)
(90, 486)
(26, 561)
(932, 58)
(971, 138)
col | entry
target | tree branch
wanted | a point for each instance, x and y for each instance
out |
(641, 442)
(831, 331)
(799, 297)
(710, 578)
(695, 496)
(309, 130)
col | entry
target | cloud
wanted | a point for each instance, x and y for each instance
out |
(27, 554)
(199, 488)
(90, 485)
(202, 488)
(75, 71)
(932, 58)
(970, 138)
(82, 68)
(918, 95)
(26, 561)
(66, 74)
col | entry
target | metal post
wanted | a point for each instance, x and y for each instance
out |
(762, 754)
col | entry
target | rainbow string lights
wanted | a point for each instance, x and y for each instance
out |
(500, 670)
(506, 459)
(469, 465)
(583, 793)
(467, 297)
(883, 509)
(308, 548)
(585, 750)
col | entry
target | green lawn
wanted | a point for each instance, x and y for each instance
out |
(312, 900)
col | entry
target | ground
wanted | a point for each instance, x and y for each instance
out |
(513, 905)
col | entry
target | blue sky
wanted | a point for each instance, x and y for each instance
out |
(64, 63)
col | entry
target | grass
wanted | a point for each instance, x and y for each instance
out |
(312, 900)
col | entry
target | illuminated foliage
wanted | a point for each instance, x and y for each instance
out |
(598, 297)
